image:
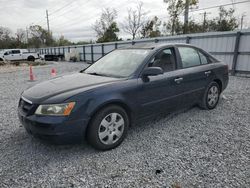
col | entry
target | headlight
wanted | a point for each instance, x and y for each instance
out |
(55, 109)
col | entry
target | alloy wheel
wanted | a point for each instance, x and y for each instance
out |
(111, 128)
(213, 96)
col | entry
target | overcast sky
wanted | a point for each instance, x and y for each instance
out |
(74, 18)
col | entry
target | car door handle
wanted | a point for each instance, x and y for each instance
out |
(207, 73)
(178, 80)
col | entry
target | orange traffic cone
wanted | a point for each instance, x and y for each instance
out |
(53, 72)
(32, 77)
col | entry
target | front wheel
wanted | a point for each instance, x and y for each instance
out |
(211, 96)
(108, 128)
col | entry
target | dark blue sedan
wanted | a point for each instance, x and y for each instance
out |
(101, 102)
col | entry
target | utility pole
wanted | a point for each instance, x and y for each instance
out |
(187, 3)
(205, 20)
(241, 20)
(27, 35)
(47, 16)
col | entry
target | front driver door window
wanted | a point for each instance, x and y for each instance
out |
(164, 59)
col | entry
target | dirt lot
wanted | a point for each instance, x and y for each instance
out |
(194, 148)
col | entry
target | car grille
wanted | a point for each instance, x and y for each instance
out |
(25, 106)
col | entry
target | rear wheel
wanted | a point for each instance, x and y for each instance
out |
(211, 96)
(108, 128)
(31, 58)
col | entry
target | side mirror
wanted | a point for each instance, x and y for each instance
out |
(152, 71)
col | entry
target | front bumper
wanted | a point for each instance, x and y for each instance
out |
(54, 129)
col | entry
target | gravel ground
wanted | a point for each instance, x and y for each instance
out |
(195, 148)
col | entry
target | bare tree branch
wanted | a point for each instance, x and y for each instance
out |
(135, 20)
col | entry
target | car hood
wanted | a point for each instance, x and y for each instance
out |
(65, 84)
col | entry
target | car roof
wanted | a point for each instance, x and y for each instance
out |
(155, 45)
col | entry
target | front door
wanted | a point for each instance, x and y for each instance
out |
(16, 54)
(162, 92)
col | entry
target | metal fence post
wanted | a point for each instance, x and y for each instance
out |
(236, 52)
(84, 55)
(69, 49)
(115, 45)
(63, 50)
(51, 51)
(102, 49)
(188, 39)
(92, 54)
(59, 51)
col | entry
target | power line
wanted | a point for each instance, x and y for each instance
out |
(229, 4)
(53, 12)
(68, 4)
(86, 12)
(75, 20)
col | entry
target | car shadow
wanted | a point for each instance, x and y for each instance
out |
(26, 145)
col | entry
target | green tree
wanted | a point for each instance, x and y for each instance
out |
(226, 21)
(106, 28)
(110, 34)
(151, 28)
(175, 8)
(63, 42)
(194, 27)
(6, 38)
(20, 38)
(40, 37)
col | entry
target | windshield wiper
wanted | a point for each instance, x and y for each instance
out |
(96, 74)
(106, 75)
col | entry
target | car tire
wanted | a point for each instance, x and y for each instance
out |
(211, 96)
(31, 58)
(108, 128)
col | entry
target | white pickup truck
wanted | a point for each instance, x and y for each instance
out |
(18, 54)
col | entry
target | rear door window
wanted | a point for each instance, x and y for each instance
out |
(204, 59)
(15, 51)
(189, 57)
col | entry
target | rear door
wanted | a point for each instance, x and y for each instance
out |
(195, 73)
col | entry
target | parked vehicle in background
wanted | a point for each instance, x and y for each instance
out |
(101, 102)
(18, 54)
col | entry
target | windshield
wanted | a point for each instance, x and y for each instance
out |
(119, 63)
